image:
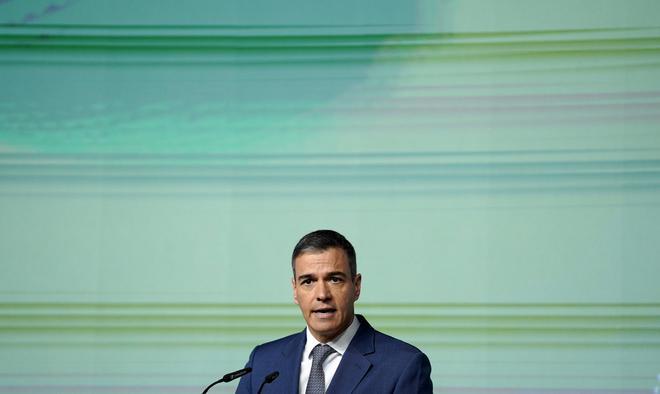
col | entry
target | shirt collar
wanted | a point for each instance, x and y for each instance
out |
(340, 343)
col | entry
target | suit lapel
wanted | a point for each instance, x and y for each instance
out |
(354, 365)
(290, 362)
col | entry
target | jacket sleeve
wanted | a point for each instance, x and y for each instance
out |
(245, 385)
(416, 377)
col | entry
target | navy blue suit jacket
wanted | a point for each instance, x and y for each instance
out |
(374, 363)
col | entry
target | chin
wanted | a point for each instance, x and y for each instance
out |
(326, 329)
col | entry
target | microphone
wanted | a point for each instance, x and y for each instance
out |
(268, 379)
(229, 377)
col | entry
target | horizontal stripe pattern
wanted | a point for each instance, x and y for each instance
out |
(530, 339)
(274, 175)
(430, 325)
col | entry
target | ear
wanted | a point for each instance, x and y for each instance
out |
(357, 282)
(295, 290)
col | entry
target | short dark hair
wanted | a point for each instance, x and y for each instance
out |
(321, 240)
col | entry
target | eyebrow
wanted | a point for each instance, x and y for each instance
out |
(304, 277)
(329, 274)
(337, 273)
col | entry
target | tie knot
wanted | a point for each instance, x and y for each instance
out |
(321, 352)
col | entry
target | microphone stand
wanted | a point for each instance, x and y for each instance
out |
(268, 379)
(229, 377)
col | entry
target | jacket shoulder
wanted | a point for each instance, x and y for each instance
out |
(277, 344)
(279, 355)
(394, 346)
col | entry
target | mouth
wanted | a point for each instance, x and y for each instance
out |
(324, 313)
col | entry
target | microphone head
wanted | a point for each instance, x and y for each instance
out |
(236, 374)
(272, 376)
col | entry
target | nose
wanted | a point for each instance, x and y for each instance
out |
(322, 291)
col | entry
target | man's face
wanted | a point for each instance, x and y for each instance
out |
(325, 292)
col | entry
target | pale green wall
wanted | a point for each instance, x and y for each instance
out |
(495, 163)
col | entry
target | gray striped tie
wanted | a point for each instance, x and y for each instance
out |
(316, 382)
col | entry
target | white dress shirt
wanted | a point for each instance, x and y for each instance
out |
(331, 363)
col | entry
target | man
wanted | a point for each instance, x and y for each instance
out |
(338, 352)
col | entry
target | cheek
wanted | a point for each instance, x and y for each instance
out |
(302, 299)
(345, 298)
(351, 297)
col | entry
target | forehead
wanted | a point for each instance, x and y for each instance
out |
(313, 261)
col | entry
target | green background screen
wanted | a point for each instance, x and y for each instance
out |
(496, 165)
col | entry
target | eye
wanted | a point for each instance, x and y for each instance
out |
(306, 281)
(336, 279)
